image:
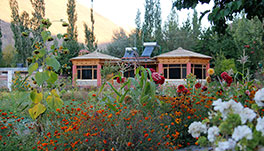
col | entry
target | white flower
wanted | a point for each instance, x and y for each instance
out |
(226, 145)
(196, 128)
(260, 125)
(241, 132)
(212, 132)
(259, 97)
(227, 107)
(247, 114)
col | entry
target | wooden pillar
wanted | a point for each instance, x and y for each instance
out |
(189, 70)
(207, 67)
(160, 68)
(99, 75)
(74, 75)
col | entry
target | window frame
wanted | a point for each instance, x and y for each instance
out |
(80, 69)
(181, 67)
(203, 68)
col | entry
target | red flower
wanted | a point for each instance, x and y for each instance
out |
(224, 75)
(152, 70)
(247, 46)
(204, 88)
(122, 80)
(198, 85)
(181, 88)
(157, 78)
(229, 80)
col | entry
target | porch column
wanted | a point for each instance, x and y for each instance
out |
(99, 75)
(188, 68)
(160, 68)
(9, 79)
(74, 75)
(207, 67)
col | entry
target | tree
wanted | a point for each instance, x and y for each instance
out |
(119, 42)
(138, 33)
(157, 25)
(38, 15)
(224, 10)
(148, 24)
(0, 44)
(72, 18)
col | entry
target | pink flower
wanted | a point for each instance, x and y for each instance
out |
(247, 46)
(229, 80)
(224, 75)
(152, 70)
(204, 88)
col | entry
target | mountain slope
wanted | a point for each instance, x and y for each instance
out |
(56, 10)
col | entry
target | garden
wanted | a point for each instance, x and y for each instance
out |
(140, 113)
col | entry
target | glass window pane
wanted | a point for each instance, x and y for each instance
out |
(78, 74)
(198, 65)
(165, 65)
(184, 65)
(175, 73)
(198, 73)
(86, 66)
(175, 65)
(94, 66)
(204, 73)
(165, 73)
(184, 73)
(79, 66)
(86, 74)
(131, 73)
(95, 74)
(126, 74)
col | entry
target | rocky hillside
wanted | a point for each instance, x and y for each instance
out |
(56, 10)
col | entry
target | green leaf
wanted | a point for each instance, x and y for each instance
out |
(51, 61)
(114, 89)
(52, 77)
(41, 77)
(111, 106)
(59, 36)
(52, 47)
(35, 96)
(35, 111)
(32, 67)
(54, 100)
(42, 52)
(44, 35)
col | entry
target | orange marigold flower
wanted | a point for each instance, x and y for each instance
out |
(172, 123)
(149, 139)
(58, 110)
(129, 144)
(44, 144)
(146, 118)
(146, 135)
(94, 95)
(104, 141)
(112, 149)
(110, 115)
(189, 117)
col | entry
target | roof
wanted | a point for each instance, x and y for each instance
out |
(180, 52)
(96, 55)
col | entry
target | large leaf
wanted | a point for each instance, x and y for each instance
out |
(44, 35)
(53, 62)
(32, 67)
(52, 77)
(42, 52)
(54, 100)
(36, 97)
(41, 77)
(36, 110)
(114, 89)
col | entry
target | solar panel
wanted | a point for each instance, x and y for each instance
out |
(147, 51)
(129, 54)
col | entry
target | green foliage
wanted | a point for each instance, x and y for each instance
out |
(1, 52)
(72, 18)
(9, 56)
(90, 41)
(224, 10)
(109, 69)
(38, 14)
(221, 64)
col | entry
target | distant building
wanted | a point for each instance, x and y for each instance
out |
(174, 65)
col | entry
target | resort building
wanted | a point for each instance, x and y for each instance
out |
(174, 65)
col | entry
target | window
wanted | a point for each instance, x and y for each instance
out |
(129, 73)
(199, 70)
(86, 72)
(174, 71)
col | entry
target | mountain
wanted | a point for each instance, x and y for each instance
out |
(56, 10)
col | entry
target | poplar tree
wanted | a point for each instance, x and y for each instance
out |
(148, 24)
(138, 33)
(38, 15)
(0, 43)
(157, 24)
(72, 18)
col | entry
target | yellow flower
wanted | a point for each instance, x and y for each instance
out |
(208, 79)
(211, 71)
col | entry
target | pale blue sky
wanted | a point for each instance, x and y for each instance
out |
(123, 12)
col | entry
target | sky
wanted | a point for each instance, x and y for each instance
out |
(123, 12)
